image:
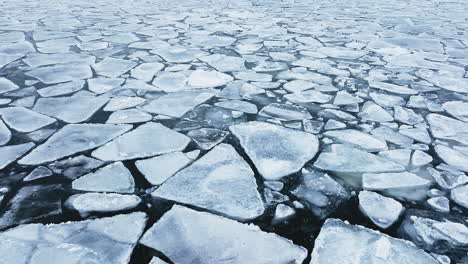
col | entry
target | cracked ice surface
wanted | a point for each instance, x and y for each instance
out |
(241, 130)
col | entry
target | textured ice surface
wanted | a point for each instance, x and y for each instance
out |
(346, 159)
(104, 240)
(434, 232)
(61, 73)
(72, 139)
(75, 109)
(339, 242)
(5, 133)
(321, 193)
(275, 151)
(220, 181)
(278, 113)
(101, 202)
(403, 185)
(24, 120)
(7, 85)
(11, 153)
(158, 169)
(114, 177)
(358, 139)
(111, 67)
(382, 211)
(147, 140)
(31, 204)
(209, 238)
(178, 103)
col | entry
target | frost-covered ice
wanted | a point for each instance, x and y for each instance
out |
(220, 181)
(382, 211)
(185, 236)
(339, 242)
(11, 153)
(321, 193)
(112, 67)
(62, 88)
(348, 160)
(7, 85)
(72, 139)
(141, 143)
(158, 169)
(275, 151)
(358, 139)
(102, 202)
(61, 73)
(178, 103)
(5, 133)
(114, 177)
(434, 232)
(24, 120)
(74, 109)
(403, 185)
(104, 240)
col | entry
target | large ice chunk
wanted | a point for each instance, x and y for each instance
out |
(72, 139)
(276, 151)
(101, 202)
(147, 140)
(403, 185)
(187, 236)
(382, 211)
(178, 103)
(357, 138)
(343, 243)
(74, 109)
(24, 120)
(321, 193)
(105, 240)
(10, 153)
(448, 128)
(220, 181)
(158, 169)
(114, 177)
(347, 160)
(61, 73)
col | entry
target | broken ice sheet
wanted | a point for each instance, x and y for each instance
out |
(72, 139)
(61, 73)
(74, 109)
(158, 169)
(206, 237)
(112, 67)
(112, 241)
(382, 211)
(149, 139)
(178, 103)
(220, 181)
(340, 242)
(24, 120)
(350, 163)
(207, 138)
(276, 151)
(114, 177)
(321, 193)
(62, 89)
(101, 202)
(11, 153)
(7, 85)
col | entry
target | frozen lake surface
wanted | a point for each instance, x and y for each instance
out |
(241, 132)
